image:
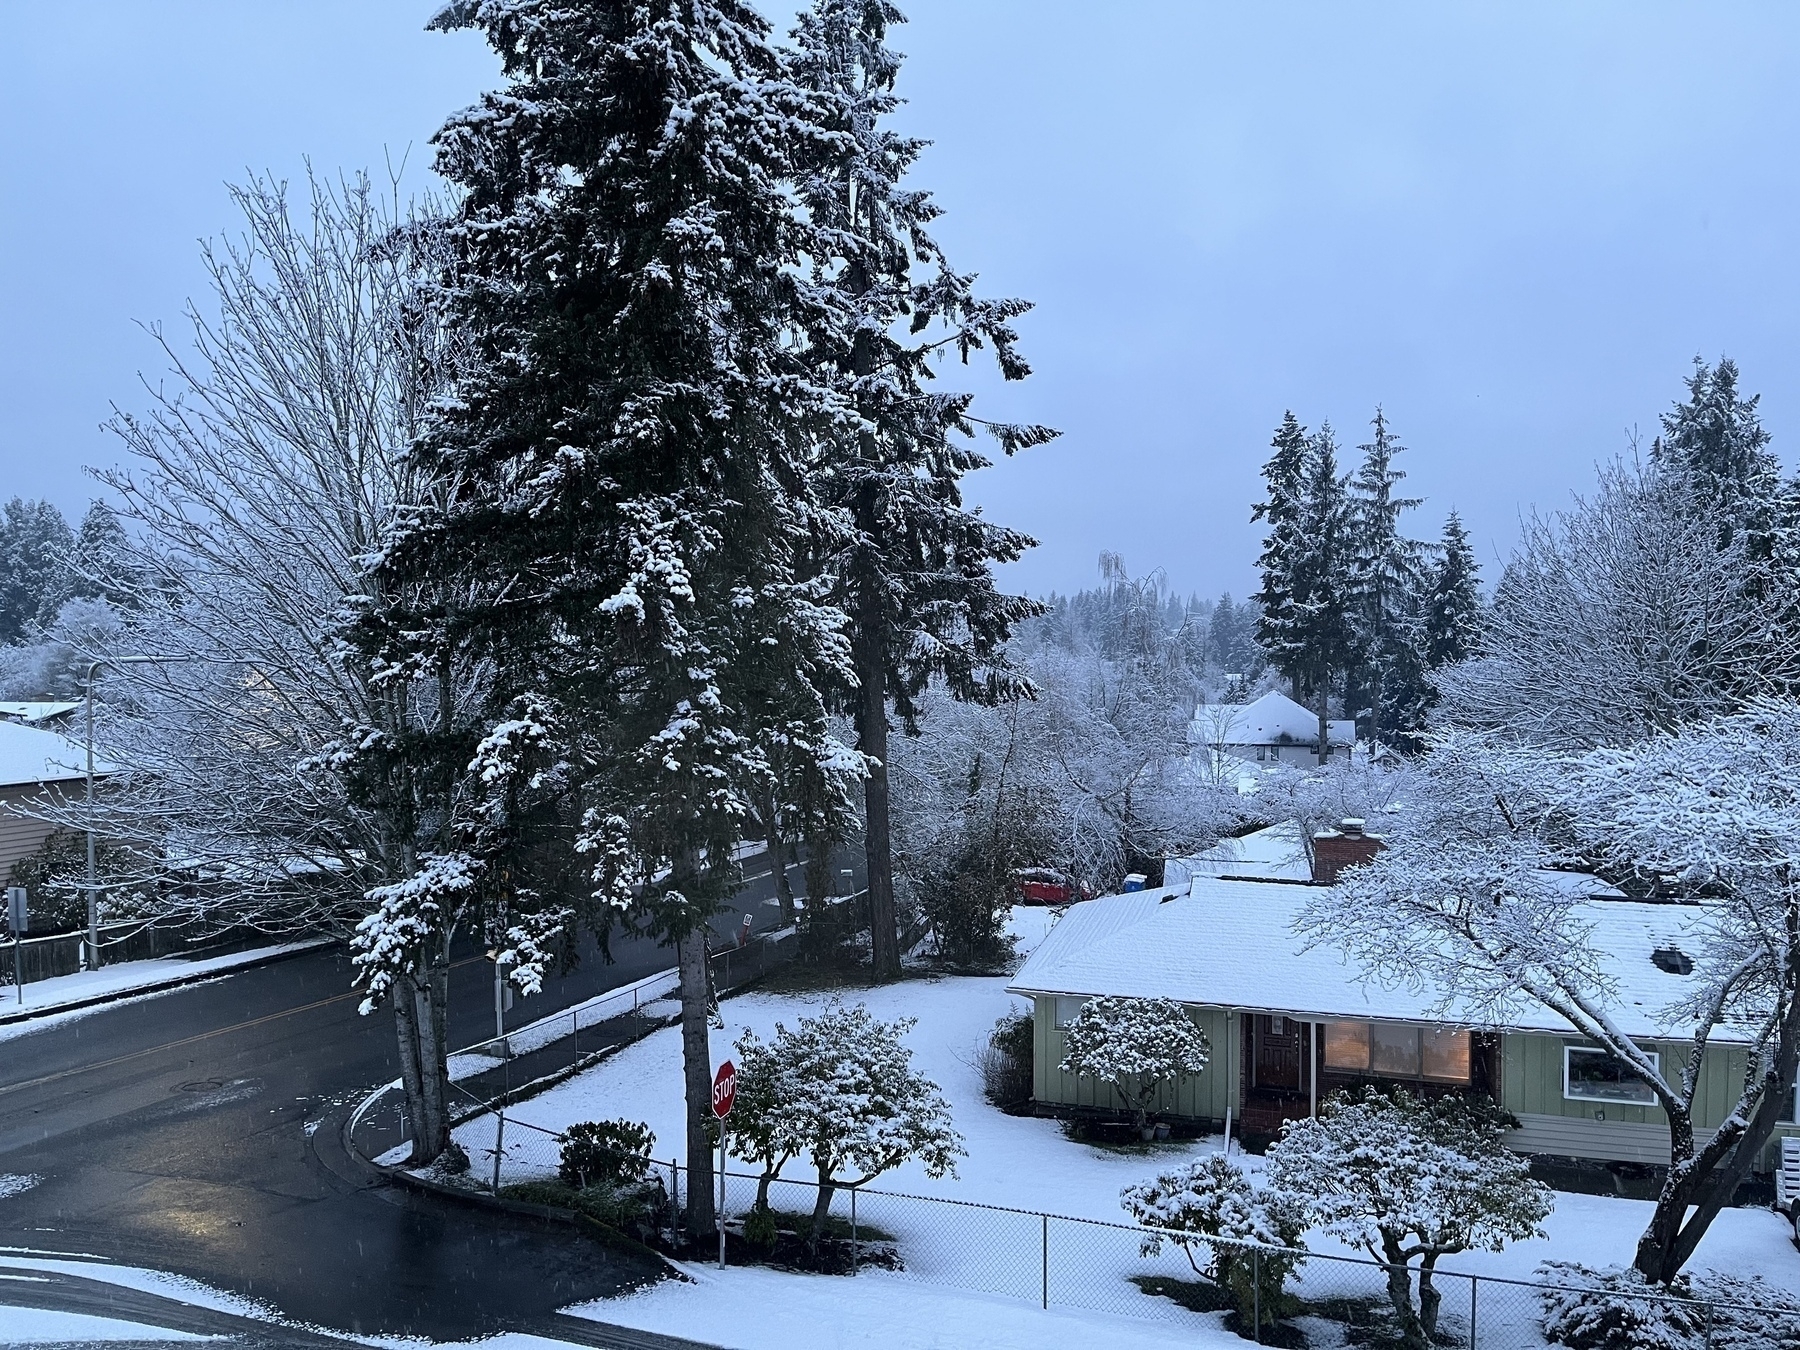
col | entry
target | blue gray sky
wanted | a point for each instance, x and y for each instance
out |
(1511, 225)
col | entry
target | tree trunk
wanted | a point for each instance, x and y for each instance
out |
(1399, 1283)
(406, 1031)
(1429, 1297)
(1324, 719)
(696, 1064)
(778, 862)
(872, 740)
(432, 1096)
(821, 1211)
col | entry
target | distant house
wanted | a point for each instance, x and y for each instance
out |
(38, 712)
(37, 768)
(1271, 729)
(1289, 1025)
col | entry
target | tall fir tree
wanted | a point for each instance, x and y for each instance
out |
(35, 543)
(1284, 486)
(1323, 630)
(626, 463)
(1453, 599)
(1717, 440)
(915, 571)
(1385, 685)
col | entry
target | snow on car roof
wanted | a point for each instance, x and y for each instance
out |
(1233, 944)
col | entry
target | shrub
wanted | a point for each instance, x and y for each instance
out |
(1212, 1198)
(605, 1153)
(1004, 1063)
(1618, 1309)
(1135, 1046)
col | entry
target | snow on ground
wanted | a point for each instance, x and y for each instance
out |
(163, 1285)
(47, 995)
(1014, 1163)
(12, 1183)
(45, 1326)
(757, 1309)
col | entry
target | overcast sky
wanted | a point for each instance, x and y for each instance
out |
(1513, 226)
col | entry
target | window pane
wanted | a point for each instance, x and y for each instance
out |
(1347, 1045)
(1066, 1008)
(1447, 1055)
(1594, 1075)
(1394, 1050)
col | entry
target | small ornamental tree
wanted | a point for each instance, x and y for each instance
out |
(840, 1088)
(1212, 1198)
(1406, 1179)
(1135, 1046)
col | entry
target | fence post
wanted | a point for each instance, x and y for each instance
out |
(574, 1039)
(499, 1148)
(1709, 1324)
(1256, 1290)
(1046, 1284)
(853, 1230)
(1473, 1282)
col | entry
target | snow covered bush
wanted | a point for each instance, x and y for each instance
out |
(1406, 1179)
(605, 1153)
(1005, 1062)
(1618, 1309)
(1212, 1198)
(839, 1088)
(1135, 1046)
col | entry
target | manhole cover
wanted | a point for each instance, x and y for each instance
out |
(200, 1085)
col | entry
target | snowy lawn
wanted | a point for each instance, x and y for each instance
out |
(46, 996)
(46, 1326)
(1017, 1163)
(751, 1309)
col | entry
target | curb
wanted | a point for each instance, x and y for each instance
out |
(161, 986)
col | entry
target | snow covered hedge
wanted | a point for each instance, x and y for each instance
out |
(1618, 1309)
(1135, 1046)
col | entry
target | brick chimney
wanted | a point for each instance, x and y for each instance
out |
(1347, 846)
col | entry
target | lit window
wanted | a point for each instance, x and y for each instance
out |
(1592, 1075)
(1447, 1056)
(1347, 1046)
(1396, 1051)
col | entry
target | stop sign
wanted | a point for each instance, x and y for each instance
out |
(724, 1089)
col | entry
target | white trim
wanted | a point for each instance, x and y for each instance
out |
(1648, 1099)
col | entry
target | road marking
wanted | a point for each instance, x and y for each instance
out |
(202, 1036)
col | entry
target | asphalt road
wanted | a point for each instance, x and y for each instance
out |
(183, 1134)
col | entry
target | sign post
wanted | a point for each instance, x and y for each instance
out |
(18, 920)
(724, 1097)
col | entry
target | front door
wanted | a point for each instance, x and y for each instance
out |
(1278, 1052)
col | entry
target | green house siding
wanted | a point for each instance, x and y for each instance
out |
(1204, 1095)
(1531, 1088)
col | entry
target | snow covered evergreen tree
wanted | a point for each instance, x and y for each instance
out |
(915, 572)
(1716, 441)
(1453, 599)
(1284, 479)
(1321, 632)
(35, 543)
(1136, 1046)
(1387, 676)
(626, 465)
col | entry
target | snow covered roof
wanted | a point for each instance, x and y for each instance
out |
(1232, 944)
(34, 755)
(1277, 852)
(1273, 719)
(35, 711)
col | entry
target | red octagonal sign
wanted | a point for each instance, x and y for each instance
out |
(724, 1089)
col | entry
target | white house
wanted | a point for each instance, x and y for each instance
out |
(1272, 729)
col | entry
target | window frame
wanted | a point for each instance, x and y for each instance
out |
(1570, 1050)
(1419, 1030)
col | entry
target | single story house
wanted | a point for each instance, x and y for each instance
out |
(37, 767)
(38, 712)
(1272, 729)
(1289, 1025)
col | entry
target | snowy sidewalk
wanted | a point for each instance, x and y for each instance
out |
(96, 988)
